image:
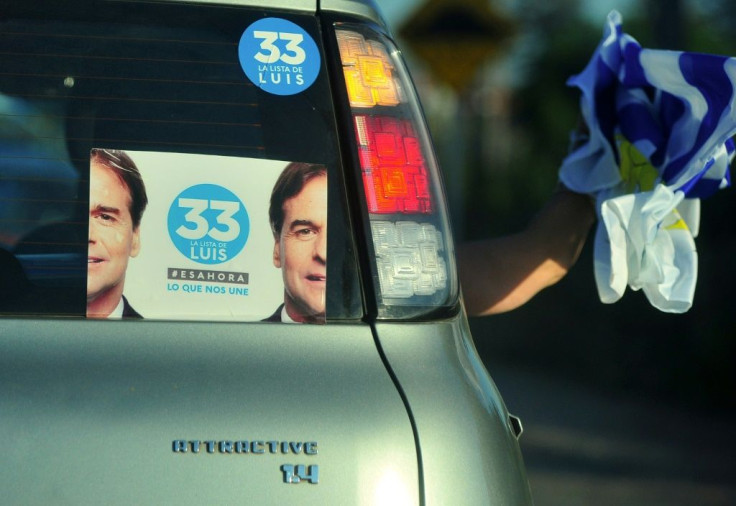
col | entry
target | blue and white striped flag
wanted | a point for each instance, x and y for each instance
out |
(660, 138)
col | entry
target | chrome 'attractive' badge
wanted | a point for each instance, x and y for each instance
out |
(292, 473)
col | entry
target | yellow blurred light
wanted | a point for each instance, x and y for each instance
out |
(359, 94)
(390, 95)
(368, 71)
(373, 71)
(351, 44)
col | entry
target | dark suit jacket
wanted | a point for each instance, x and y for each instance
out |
(128, 311)
(276, 317)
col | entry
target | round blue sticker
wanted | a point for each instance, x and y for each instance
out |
(278, 56)
(208, 224)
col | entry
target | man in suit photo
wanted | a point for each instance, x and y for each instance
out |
(117, 199)
(298, 216)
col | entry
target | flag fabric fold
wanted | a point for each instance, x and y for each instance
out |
(660, 126)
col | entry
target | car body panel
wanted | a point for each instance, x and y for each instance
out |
(466, 437)
(90, 410)
(366, 9)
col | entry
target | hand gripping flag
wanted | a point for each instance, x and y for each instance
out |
(660, 127)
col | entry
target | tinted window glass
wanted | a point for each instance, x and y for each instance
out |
(138, 78)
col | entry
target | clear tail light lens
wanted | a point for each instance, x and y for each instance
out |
(413, 256)
(409, 258)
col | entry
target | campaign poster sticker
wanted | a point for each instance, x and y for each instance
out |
(279, 56)
(203, 248)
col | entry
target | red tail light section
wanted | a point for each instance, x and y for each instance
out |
(413, 257)
(392, 165)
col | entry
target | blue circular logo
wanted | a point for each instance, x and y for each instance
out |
(278, 56)
(208, 224)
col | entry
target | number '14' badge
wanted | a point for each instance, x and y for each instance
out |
(300, 472)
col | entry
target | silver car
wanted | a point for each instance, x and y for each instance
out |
(183, 158)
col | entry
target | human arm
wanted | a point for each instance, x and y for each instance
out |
(497, 275)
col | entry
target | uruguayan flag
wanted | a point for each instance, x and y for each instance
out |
(660, 138)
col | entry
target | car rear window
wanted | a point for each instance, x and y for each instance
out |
(209, 128)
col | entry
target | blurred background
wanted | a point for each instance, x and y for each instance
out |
(621, 403)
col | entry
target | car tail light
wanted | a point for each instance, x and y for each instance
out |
(413, 256)
(369, 71)
(392, 165)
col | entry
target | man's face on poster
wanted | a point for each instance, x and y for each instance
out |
(301, 251)
(112, 237)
